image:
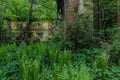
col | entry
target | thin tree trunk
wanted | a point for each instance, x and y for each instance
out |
(26, 34)
(1, 22)
(96, 15)
(104, 17)
(30, 16)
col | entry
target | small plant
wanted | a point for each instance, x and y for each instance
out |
(119, 62)
(3, 50)
(29, 63)
(64, 74)
(84, 72)
(53, 55)
(65, 57)
(100, 66)
(102, 61)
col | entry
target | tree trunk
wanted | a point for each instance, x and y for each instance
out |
(70, 13)
(1, 21)
(96, 15)
(26, 34)
(30, 16)
(70, 17)
(70, 10)
(81, 7)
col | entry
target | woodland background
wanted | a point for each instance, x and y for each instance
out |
(59, 40)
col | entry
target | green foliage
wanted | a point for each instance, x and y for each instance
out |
(45, 10)
(52, 55)
(101, 62)
(65, 57)
(29, 64)
(28, 59)
(113, 47)
(72, 72)
(46, 62)
(87, 55)
(119, 62)
(19, 10)
(55, 61)
(78, 35)
(84, 73)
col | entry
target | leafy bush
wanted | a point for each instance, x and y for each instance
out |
(78, 35)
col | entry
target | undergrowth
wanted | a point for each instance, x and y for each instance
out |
(40, 61)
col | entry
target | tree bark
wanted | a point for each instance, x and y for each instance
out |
(70, 13)
(81, 7)
(70, 10)
(70, 17)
